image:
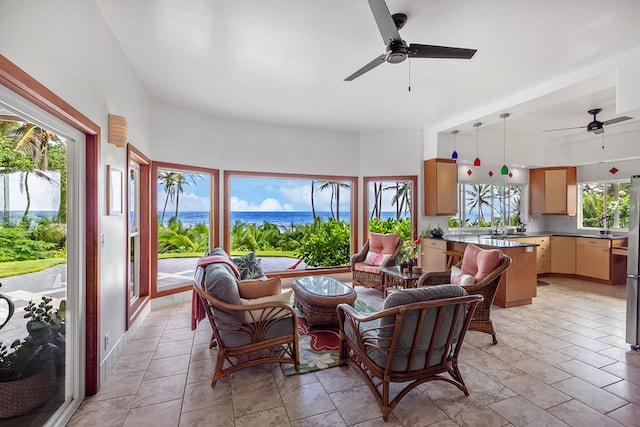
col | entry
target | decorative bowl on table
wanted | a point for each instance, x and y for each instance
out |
(437, 233)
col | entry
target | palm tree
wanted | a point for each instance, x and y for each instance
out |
(324, 186)
(377, 200)
(335, 195)
(402, 198)
(167, 179)
(480, 197)
(313, 205)
(180, 182)
(34, 141)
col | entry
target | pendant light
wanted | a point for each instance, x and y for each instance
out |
(476, 162)
(454, 155)
(505, 169)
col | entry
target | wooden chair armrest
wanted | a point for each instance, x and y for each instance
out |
(435, 278)
(360, 256)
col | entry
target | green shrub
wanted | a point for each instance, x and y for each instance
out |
(391, 225)
(329, 247)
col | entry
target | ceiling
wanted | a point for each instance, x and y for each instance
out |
(285, 61)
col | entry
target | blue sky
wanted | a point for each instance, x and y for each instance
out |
(266, 195)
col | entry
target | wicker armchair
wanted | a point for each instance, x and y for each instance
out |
(368, 275)
(249, 335)
(415, 338)
(486, 287)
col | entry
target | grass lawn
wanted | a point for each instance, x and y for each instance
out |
(15, 268)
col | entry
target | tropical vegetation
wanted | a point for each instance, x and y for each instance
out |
(610, 200)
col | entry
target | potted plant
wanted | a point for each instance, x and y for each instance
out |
(28, 366)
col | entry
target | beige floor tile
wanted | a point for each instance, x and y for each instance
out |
(160, 414)
(494, 367)
(592, 396)
(258, 394)
(119, 385)
(106, 413)
(628, 372)
(536, 391)
(283, 381)
(338, 378)
(306, 400)
(159, 390)
(540, 370)
(131, 363)
(484, 388)
(201, 370)
(627, 415)
(173, 348)
(588, 373)
(327, 419)
(578, 414)
(141, 346)
(145, 332)
(626, 355)
(468, 411)
(274, 417)
(521, 412)
(592, 358)
(415, 408)
(167, 366)
(178, 334)
(212, 416)
(626, 390)
(356, 405)
(203, 352)
(201, 395)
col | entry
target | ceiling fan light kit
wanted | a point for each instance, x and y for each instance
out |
(505, 169)
(454, 155)
(476, 161)
(397, 50)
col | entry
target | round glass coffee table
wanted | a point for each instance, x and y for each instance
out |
(318, 296)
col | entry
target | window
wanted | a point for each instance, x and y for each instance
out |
(604, 205)
(390, 206)
(184, 200)
(487, 205)
(292, 222)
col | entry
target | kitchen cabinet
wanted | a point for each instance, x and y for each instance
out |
(593, 258)
(543, 252)
(553, 191)
(440, 187)
(434, 255)
(563, 254)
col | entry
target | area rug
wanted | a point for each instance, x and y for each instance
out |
(319, 346)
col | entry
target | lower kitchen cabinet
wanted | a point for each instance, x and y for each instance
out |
(563, 254)
(434, 255)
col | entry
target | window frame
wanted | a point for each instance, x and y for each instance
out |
(365, 201)
(580, 218)
(135, 306)
(353, 217)
(213, 227)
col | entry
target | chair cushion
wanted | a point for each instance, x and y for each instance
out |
(254, 315)
(220, 283)
(480, 262)
(259, 288)
(409, 327)
(459, 278)
(248, 266)
(363, 266)
(383, 243)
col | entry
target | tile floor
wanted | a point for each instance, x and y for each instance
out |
(560, 361)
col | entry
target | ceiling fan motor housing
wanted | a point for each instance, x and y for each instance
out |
(397, 51)
(594, 125)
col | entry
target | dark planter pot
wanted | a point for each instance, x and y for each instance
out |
(25, 394)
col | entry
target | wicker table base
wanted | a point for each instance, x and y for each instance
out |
(319, 306)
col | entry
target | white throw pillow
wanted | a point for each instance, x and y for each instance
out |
(459, 278)
(274, 313)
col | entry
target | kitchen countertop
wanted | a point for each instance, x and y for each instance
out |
(501, 241)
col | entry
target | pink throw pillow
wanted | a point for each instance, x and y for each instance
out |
(469, 265)
(487, 261)
(383, 243)
(376, 259)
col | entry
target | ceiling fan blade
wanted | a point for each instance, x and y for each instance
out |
(553, 130)
(616, 120)
(370, 66)
(387, 27)
(430, 51)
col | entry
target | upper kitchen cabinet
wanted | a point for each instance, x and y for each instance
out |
(553, 191)
(440, 187)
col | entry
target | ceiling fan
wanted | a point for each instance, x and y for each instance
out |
(397, 49)
(596, 126)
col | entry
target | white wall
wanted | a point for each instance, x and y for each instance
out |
(67, 46)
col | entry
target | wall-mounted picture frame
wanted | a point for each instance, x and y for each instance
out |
(114, 191)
